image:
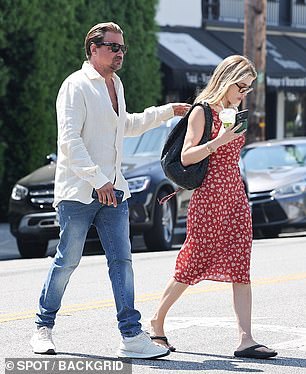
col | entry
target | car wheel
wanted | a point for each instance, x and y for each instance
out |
(162, 232)
(32, 249)
(271, 232)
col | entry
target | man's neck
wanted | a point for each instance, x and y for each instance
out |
(106, 73)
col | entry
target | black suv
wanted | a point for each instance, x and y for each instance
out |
(33, 219)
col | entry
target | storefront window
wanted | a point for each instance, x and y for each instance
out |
(295, 114)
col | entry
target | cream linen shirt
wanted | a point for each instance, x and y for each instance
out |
(90, 135)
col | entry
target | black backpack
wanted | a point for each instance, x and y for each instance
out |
(186, 177)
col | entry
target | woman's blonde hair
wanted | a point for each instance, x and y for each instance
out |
(231, 70)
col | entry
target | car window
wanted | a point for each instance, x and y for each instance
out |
(274, 157)
(130, 145)
(148, 144)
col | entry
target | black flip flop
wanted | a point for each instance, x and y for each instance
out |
(164, 339)
(251, 352)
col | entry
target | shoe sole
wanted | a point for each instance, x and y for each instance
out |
(256, 356)
(48, 352)
(127, 354)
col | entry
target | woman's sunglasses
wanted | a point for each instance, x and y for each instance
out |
(244, 90)
(115, 47)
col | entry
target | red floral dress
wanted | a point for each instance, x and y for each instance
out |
(219, 228)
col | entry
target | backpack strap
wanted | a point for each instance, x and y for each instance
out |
(168, 197)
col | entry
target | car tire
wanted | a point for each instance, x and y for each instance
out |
(160, 236)
(32, 249)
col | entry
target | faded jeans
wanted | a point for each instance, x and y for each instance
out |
(112, 225)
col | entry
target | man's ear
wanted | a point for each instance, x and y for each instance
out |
(93, 48)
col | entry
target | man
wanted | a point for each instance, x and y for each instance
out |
(92, 121)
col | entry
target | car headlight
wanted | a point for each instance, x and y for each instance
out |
(293, 189)
(19, 192)
(138, 184)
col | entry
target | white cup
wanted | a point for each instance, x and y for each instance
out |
(227, 116)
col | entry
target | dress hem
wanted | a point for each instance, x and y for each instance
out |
(210, 279)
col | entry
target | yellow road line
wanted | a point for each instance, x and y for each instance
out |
(101, 304)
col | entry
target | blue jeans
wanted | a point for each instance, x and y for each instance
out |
(112, 225)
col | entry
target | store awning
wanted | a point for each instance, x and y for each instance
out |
(191, 54)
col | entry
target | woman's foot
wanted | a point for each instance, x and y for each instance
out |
(258, 351)
(250, 349)
(157, 334)
(164, 343)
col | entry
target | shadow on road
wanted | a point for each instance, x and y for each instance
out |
(217, 362)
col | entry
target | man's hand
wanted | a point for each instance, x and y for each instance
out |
(180, 109)
(106, 194)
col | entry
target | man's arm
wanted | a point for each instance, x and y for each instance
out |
(138, 123)
(71, 114)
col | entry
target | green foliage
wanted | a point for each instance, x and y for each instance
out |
(32, 36)
(41, 42)
(141, 69)
(140, 35)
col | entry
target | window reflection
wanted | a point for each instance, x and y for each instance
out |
(275, 157)
(295, 114)
(148, 144)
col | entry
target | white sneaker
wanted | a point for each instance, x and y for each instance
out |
(42, 342)
(141, 346)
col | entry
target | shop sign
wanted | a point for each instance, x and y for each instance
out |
(286, 82)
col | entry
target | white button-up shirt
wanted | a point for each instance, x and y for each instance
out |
(90, 135)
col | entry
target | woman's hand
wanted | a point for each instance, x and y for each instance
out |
(226, 135)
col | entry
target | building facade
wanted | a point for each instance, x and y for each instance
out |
(200, 33)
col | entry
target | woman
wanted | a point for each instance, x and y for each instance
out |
(219, 229)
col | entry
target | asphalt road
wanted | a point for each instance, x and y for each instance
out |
(201, 325)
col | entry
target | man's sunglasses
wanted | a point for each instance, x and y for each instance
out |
(115, 47)
(244, 90)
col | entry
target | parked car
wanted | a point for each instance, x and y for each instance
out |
(276, 175)
(33, 219)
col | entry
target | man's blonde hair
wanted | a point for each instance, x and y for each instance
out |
(97, 32)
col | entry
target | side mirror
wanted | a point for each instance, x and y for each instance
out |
(51, 158)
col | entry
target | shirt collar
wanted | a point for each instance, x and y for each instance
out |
(92, 73)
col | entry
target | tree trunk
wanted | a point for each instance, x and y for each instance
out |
(255, 49)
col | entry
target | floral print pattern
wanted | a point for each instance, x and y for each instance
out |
(219, 228)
